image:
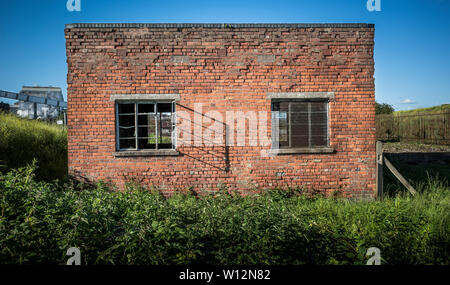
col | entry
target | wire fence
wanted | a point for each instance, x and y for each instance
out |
(427, 128)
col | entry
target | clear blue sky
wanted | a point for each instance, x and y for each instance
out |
(412, 37)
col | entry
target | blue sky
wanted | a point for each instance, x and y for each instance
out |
(412, 37)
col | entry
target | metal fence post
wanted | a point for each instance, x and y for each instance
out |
(65, 117)
(379, 172)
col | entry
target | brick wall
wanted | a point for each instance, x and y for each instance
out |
(224, 68)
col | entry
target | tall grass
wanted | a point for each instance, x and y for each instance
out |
(39, 221)
(22, 140)
(417, 175)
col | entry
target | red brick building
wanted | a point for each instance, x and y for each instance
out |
(206, 106)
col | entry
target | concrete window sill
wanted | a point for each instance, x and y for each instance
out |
(135, 153)
(282, 151)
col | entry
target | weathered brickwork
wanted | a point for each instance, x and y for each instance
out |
(225, 68)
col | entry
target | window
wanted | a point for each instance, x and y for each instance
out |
(145, 125)
(300, 124)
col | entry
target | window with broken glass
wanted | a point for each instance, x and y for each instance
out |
(300, 124)
(145, 125)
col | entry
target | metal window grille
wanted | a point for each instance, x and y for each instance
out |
(145, 125)
(300, 124)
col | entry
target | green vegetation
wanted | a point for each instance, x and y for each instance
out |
(39, 221)
(383, 108)
(427, 125)
(416, 174)
(430, 110)
(22, 140)
(162, 139)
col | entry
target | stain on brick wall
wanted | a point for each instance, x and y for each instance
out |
(230, 67)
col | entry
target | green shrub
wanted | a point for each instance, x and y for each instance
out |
(22, 140)
(39, 221)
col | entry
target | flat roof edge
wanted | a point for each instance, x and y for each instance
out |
(40, 87)
(216, 25)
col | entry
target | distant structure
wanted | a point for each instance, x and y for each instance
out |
(43, 111)
(14, 108)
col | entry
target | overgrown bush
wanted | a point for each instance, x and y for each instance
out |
(22, 140)
(39, 221)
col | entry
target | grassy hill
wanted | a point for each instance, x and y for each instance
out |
(22, 140)
(435, 109)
